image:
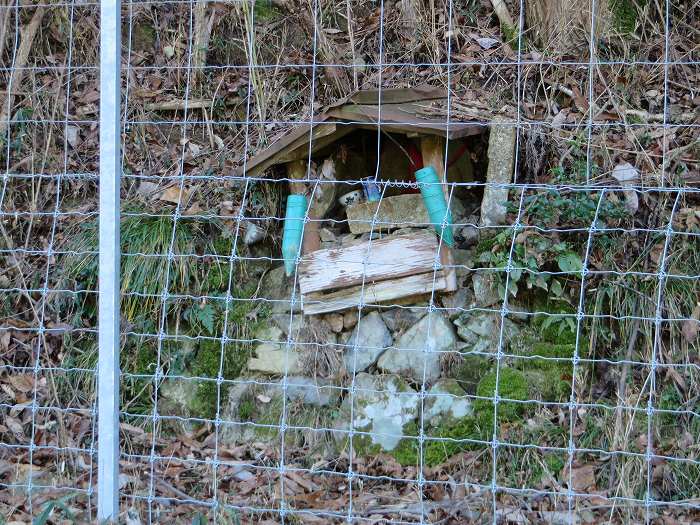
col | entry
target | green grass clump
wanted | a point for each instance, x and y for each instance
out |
(510, 34)
(246, 409)
(265, 10)
(625, 14)
(142, 237)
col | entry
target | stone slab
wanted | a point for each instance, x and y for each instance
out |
(394, 212)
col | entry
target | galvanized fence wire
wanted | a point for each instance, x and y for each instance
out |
(47, 448)
(179, 460)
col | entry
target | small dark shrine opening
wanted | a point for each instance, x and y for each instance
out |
(393, 158)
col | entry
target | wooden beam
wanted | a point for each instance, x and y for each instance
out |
(388, 258)
(401, 118)
(296, 171)
(433, 151)
(373, 293)
(292, 140)
(302, 152)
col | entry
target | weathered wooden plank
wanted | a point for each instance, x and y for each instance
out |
(391, 212)
(374, 293)
(399, 96)
(299, 136)
(388, 258)
(401, 118)
(301, 151)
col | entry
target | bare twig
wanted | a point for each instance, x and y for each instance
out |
(499, 7)
(17, 74)
(203, 24)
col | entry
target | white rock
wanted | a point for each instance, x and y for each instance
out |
(417, 353)
(243, 475)
(382, 406)
(487, 43)
(627, 175)
(366, 343)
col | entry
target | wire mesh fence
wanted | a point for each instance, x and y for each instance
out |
(384, 262)
(48, 415)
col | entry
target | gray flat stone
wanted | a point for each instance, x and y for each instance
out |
(393, 212)
(366, 343)
(481, 330)
(317, 392)
(416, 354)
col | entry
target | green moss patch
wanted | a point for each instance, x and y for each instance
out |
(512, 384)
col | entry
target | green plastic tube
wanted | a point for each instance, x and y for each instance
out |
(434, 200)
(293, 229)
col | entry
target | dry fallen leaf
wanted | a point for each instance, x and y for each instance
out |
(14, 425)
(5, 339)
(582, 477)
(691, 326)
(22, 382)
(174, 195)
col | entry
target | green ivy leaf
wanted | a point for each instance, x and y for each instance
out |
(570, 262)
(557, 288)
(515, 274)
(513, 287)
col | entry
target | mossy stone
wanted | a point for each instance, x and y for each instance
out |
(549, 374)
(445, 402)
(512, 384)
(452, 438)
(471, 370)
(208, 363)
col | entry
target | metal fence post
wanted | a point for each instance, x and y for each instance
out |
(110, 175)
